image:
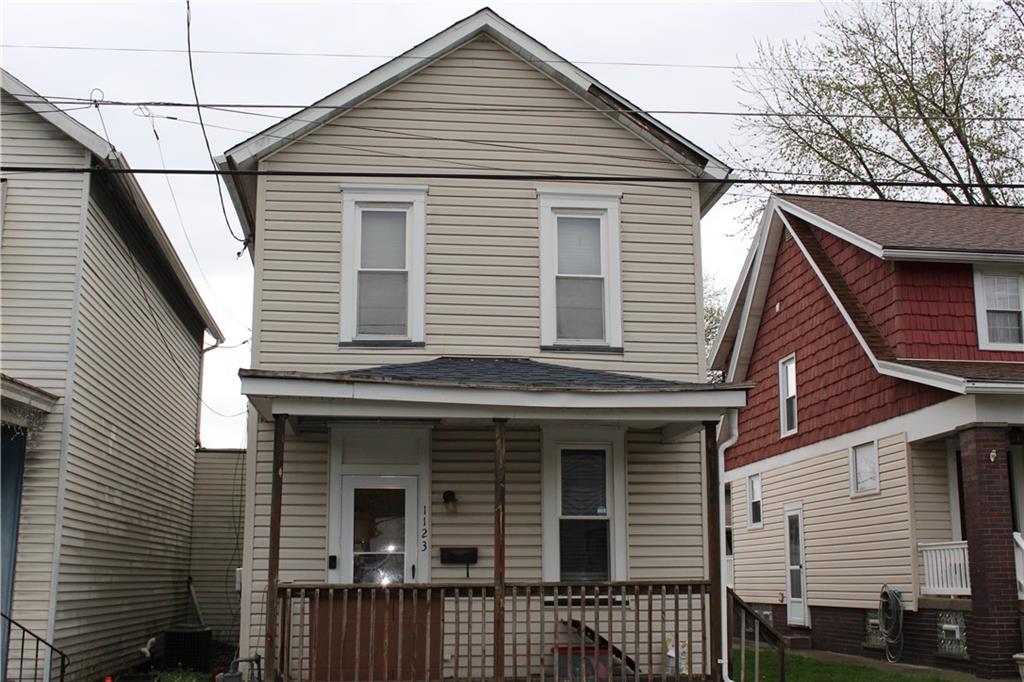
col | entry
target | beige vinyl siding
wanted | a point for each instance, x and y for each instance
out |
(38, 257)
(482, 269)
(217, 538)
(663, 493)
(128, 498)
(853, 545)
(932, 520)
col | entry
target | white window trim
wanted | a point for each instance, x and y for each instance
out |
(549, 202)
(554, 439)
(853, 471)
(750, 501)
(355, 197)
(980, 311)
(782, 399)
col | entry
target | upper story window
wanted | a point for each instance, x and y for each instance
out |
(382, 272)
(864, 469)
(787, 395)
(999, 301)
(581, 292)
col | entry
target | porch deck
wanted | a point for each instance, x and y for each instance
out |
(558, 631)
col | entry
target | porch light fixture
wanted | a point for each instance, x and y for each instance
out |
(450, 501)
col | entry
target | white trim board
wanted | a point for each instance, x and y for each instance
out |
(932, 421)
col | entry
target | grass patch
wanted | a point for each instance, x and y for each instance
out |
(806, 669)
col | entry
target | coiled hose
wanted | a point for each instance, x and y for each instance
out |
(890, 622)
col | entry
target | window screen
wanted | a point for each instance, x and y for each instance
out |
(383, 280)
(1003, 310)
(584, 543)
(579, 282)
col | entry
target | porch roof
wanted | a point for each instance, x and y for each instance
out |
(21, 400)
(473, 387)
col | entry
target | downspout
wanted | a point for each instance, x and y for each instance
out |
(729, 429)
(199, 389)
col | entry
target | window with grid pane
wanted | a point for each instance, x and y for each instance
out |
(1004, 313)
(383, 278)
(579, 281)
(584, 537)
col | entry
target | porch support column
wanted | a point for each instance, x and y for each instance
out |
(499, 550)
(714, 546)
(274, 550)
(993, 634)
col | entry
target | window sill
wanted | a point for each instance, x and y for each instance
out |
(381, 343)
(865, 493)
(582, 348)
(755, 526)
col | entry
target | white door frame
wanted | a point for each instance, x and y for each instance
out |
(1017, 472)
(348, 487)
(797, 612)
(396, 449)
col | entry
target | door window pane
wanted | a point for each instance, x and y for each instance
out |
(383, 303)
(579, 246)
(583, 550)
(796, 587)
(584, 487)
(383, 240)
(580, 308)
(793, 523)
(378, 535)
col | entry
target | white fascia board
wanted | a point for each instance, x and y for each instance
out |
(27, 396)
(993, 387)
(921, 376)
(235, 194)
(731, 309)
(938, 256)
(837, 230)
(64, 122)
(434, 395)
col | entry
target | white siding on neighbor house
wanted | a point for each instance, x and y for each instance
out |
(41, 228)
(128, 497)
(932, 519)
(853, 545)
(482, 268)
(217, 524)
(663, 492)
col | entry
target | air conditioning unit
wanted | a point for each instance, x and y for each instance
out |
(189, 647)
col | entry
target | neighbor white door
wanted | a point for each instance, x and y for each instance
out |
(378, 530)
(796, 578)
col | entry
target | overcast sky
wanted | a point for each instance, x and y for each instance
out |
(706, 33)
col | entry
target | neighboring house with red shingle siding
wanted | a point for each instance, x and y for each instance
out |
(882, 444)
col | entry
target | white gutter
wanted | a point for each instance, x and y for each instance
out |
(731, 420)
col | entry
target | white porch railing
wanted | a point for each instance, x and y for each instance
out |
(946, 571)
(729, 570)
(1018, 556)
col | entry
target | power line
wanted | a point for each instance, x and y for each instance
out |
(667, 179)
(352, 55)
(441, 107)
(199, 111)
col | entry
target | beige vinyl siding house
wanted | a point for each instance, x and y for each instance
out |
(217, 522)
(98, 311)
(480, 101)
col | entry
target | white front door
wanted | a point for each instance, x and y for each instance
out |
(378, 530)
(796, 580)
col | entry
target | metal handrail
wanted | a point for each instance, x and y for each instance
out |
(39, 641)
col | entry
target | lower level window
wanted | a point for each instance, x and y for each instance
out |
(584, 537)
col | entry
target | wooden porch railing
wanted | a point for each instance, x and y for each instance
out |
(608, 631)
(757, 650)
(946, 569)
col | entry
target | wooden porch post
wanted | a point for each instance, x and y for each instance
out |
(499, 550)
(714, 546)
(274, 553)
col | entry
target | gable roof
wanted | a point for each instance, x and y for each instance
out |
(784, 214)
(517, 374)
(917, 230)
(105, 155)
(247, 154)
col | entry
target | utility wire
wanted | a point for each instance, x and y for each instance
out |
(669, 179)
(350, 55)
(232, 107)
(206, 138)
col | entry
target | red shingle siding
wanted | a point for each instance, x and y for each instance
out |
(937, 318)
(838, 389)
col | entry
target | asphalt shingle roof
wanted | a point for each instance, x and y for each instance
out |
(519, 374)
(922, 225)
